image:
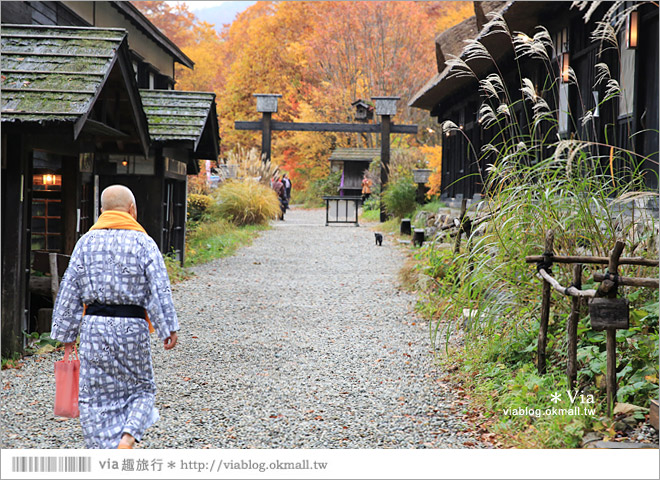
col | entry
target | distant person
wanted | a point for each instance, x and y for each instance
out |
(114, 292)
(278, 186)
(366, 188)
(287, 188)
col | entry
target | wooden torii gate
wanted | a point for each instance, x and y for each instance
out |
(385, 107)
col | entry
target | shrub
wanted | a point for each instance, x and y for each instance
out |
(198, 184)
(197, 205)
(399, 197)
(326, 186)
(247, 202)
(174, 269)
(403, 161)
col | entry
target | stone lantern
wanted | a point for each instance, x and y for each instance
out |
(267, 102)
(385, 105)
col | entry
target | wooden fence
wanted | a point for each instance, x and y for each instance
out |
(607, 311)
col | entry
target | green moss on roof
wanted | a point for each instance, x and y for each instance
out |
(41, 58)
(176, 115)
(41, 81)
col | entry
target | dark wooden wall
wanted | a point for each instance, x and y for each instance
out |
(15, 241)
(463, 174)
(647, 106)
(39, 13)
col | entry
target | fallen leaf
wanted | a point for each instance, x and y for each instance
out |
(45, 349)
(627, 408)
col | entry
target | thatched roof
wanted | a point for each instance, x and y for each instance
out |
(451, 43)
(520, 16)
(178, 116)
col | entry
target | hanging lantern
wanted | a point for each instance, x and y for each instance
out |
(631, 29)
(565, 66)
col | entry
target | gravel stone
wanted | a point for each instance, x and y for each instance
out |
(300, 340)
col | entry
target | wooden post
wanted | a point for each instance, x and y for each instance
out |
(459, 234)
(611, 369)
(571, 328)
(384, 160)
(54, 275)
(15, 242)
(609, 288)
(265, 136)
(545, 307)
(406, 227)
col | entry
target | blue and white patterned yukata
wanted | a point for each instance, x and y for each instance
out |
(117, 388)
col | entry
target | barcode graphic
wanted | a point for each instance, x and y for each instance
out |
(51, 464)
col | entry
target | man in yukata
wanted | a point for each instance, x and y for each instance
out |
(114, 292)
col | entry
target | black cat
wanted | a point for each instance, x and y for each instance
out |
(379, 239)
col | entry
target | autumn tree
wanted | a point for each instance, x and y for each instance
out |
(321, 56)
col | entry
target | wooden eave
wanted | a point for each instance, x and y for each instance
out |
(520, 16)
(143, 23)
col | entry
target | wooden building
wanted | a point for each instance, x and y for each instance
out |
(74, 116)
(352, 162)
(184, 129)
(66, 93)
(153, 54)
(455, 94)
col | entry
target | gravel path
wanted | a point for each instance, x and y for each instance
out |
(301, 340)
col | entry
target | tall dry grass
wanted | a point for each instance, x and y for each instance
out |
(246, 202)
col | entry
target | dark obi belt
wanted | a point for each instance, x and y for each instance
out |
(103, 310)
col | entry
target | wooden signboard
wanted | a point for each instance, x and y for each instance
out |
(609, 313)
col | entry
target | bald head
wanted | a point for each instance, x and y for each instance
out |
(118, 197)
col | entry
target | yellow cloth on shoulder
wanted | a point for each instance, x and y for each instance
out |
(115, 219)
(118, 220)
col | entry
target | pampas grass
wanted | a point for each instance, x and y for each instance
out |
(252, 166)
(247, 202)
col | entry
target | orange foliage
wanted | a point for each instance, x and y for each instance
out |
(433, 154)
(320, 56)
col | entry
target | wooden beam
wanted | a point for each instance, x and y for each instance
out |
(266, 129)
(60, 37)
(545, 308)
(384, 161)
(325, 127)
(631, 281)
(55, 72)
(568, 291)
(54, 54)
(647, 262)
(609, 288)
(571, 328)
